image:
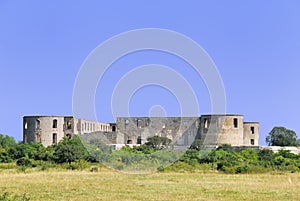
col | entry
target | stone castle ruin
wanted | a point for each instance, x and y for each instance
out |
(213, 130)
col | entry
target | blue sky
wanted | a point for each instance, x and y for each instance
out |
(254, 44)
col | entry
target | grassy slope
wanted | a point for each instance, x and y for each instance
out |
(108, 185)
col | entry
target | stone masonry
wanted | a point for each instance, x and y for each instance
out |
(213, 130)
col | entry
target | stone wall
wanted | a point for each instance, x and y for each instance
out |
(181, 130)
(47, 130)
(214, 130)
(222, 129)
(51, 129)
(251, 133)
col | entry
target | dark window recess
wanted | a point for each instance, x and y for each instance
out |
(37, 124)
(113, 128)
(54, 123)
(235, 123)
(69, 125)
(252, 141)
(252, 129)
(139, 140)
(54, 138)
(39, 138)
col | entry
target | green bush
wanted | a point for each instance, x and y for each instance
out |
(24, 162)
(180, 167)
(69, 150)
(78, 165)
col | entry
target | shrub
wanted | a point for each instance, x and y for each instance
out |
(180, 167)
(78, 165)
(70, 150)
(24, 162)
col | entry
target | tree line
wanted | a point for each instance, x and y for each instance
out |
(76, 154)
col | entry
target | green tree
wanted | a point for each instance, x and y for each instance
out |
(70, 150)
(29, 150)
(7, 142)
(158, 142)
(280, 136)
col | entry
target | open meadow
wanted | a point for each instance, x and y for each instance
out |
(110, 185)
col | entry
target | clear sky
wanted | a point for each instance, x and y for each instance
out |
(254, 44)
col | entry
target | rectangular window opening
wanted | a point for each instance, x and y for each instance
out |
(235, 123)
(252, 142)
(54, 138)
(69, 125)
(39, 138)
(37, 124)
(54, 123)
(139, 140)
(252, 129)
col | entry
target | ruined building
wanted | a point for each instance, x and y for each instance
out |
(51, 129)
(213, 130)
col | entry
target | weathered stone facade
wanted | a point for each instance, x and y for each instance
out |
(251, 133)
(222, 129)
(213, 130)
(51, 129)
(135, 130)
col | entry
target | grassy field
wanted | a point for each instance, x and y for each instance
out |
(109, 185)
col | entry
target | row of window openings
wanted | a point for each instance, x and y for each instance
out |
(54, 138)
(91, 127)
(86, 126)
(54, 125)
(139, 123)
(139, 140)
(235, 125)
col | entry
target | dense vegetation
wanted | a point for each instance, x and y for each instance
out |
(281, 136)
(73, 154)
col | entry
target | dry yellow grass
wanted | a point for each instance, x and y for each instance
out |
(109, 185)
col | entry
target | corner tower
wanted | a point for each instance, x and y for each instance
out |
(222, 129)
(251, 133)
